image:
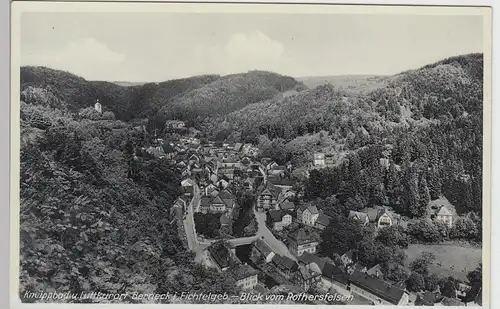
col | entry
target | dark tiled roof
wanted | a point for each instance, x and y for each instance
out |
(287, 206)
(306, 274)
(358, 266)
(427, 299)
(242, 271)
(372, 213)
(277, 181)
(275, 215)
(358, 215)
(446, 301)
(228, 202)
(262, 247)
(226, 195)
(349, 254)
(373, 271)
(225, 219)
(323, 220)
(279, 168)
(221, 254)
(284, 263)
(205, 201)
(302, 236)
(308, 258)
(377, 287)
(313, 209)
(333, 272)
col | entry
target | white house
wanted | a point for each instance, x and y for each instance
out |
(384, 219)
(308, 215)
(98, 107)
(445, 216)
(319, 159)
(279, 219)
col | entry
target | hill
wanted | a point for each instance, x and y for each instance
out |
(353, 84)
(185, 99)
(64, 90)
(229, 93)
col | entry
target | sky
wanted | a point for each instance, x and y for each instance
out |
(154, 47)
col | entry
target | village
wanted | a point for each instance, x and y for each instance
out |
(277, 254)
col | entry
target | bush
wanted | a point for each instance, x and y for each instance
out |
(425, 231)
(415, 283)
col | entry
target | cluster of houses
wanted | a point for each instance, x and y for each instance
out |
(345, 276)
(381, 216)
(216, 168)
(308, 272)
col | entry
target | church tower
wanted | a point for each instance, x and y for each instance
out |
(98, 107)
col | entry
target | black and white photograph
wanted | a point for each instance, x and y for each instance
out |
(262, 154)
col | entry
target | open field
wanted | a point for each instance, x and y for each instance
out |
(451, 259)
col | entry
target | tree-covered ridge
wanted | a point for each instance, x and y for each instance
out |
(71, 92)
(186, 99)
(445, 89)
(436, 149)
(229, 93)
(95, 219)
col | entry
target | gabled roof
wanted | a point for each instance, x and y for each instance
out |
(427, 299)
(333, 272)
(228, 201)
(323, 220)
(358, 266)
(284, 263)
(225, 219)
(262, 247)
(302, 236)
(287, 206)
(446, 301)
(187, 182)
(242, 271)
(309, 258)
(306, 274)
(443, 211)
(270, 191)
(363, 217)
(312, 209)
(221, 254)
(382, 212)
(238, 146)
(205, 201)
(275, 215)
(225, 194)
(181, 200)
(217, 200)
(372, 213)
(377, 287)
(373, 271)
